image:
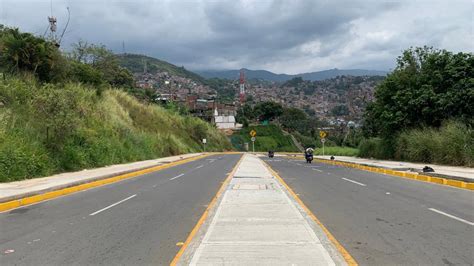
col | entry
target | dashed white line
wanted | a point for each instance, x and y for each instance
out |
(110, 206)
(451, 216)
(180, 175)
(355, 182)
(317, 170)
(199, 166)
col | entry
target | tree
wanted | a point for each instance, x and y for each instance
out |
(104, 61)
(23, 52)
(427, 87)
(295, 119)
(268, 110)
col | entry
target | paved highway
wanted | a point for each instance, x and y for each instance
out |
(386, 220)
(133, 222)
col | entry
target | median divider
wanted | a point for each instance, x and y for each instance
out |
(419, 177)
(76, 187)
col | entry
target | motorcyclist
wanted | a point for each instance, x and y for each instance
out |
(308, 154)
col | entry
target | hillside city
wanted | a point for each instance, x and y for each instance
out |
(335, 100)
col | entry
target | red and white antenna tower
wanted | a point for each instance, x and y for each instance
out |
(242, 86)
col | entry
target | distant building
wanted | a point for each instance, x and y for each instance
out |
(223, 121)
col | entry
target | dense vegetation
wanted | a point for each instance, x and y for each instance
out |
(424, 110)
(269, 137)
(63, 113)
(136, 64)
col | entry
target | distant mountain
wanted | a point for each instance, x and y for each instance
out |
(136, 63)
(270, 76)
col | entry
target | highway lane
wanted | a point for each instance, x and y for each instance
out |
(386, 220)
(133, 222)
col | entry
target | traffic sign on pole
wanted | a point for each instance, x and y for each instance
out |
(322, 134)
(253, 133)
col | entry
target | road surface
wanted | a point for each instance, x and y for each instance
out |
(379, 219)
(386, 220)
(137, 221)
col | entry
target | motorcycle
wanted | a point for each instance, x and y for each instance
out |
(309, 158)
(271, 154)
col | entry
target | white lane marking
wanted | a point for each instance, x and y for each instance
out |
(180, 175)
(452, 216)
(110, 206)
(388, 193)
(355, 182)
(199, 166)
(317, 170)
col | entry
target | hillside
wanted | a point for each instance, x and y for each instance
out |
(135, 63)
(52, 128)
(269, 137)
(270, 76)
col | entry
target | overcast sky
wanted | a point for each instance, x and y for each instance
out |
(281, 36)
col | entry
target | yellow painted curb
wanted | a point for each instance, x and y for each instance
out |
(204, 215)
(5, 206)
(423, 178)
(345, 254)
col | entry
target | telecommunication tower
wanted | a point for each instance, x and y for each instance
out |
(242, 86)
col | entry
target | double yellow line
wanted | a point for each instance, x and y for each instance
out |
(5, 206)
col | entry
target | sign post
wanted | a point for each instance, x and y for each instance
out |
(204, 141)
(253, 133)
(322, 141)
(322, 135)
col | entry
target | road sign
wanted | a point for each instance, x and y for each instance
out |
(204, 141)
(322, 134)
(323, 140)
(252, 139)
(253, 133)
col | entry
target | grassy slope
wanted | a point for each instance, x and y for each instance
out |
(55, 128)
(268, 138)
(134, 63)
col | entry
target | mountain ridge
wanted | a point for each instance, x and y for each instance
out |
(270, 76)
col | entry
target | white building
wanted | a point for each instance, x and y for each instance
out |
(224, 121)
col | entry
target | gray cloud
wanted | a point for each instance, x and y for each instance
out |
(281, 36)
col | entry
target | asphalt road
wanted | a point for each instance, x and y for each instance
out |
(386, 220)
(133, 222)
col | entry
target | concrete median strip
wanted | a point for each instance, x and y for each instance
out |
(258, 222)
(76, 186)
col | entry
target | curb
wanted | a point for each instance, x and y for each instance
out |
(425, 178)
(28, 198)
(177, 258)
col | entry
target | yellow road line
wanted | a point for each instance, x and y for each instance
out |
(423, 178)
(205, 214)
(345, 254)
(5, 206)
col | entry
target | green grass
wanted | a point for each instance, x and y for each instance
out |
(337, 151)
(46, 129)
(268, 138)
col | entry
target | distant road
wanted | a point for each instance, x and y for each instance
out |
(386, 220)
(133, 222)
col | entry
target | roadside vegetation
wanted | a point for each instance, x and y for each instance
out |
(269, 137)
(69, 112)
(303, 126)
(423, 110)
